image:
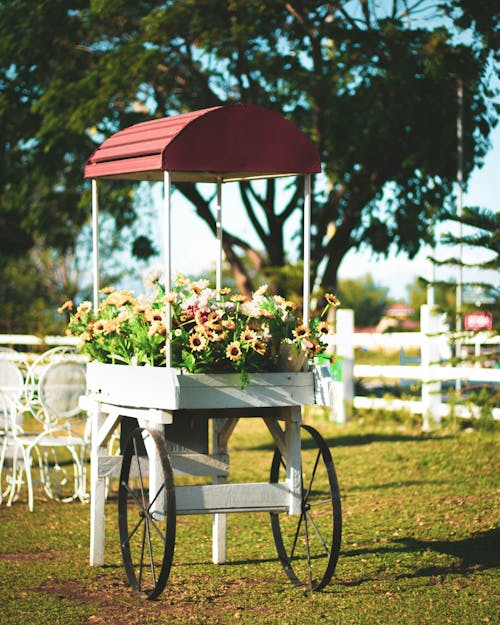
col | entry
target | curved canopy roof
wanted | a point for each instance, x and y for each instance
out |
(233, 142)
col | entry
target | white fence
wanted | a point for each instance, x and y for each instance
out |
(434, 348)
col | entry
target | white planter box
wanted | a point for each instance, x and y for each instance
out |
(167, 389)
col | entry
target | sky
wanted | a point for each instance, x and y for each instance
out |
(194, 247)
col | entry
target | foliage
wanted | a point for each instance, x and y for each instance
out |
(417, 296)
(420, 543)
(482, 237)
(31, 288)
(373, 84)
(365, 297)
(211, 330)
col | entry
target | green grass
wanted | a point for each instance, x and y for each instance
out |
(420, 543)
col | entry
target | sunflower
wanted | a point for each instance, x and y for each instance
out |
(197, 342)
(312, 346)
(301, 332)
(323, 328)
(233, 351)
(68, 305)
(332, 300)
(153, 314)
(248, 336)
(259, 347)
(99, 326)
(157, 327)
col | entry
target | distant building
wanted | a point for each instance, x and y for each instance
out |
(397, 318)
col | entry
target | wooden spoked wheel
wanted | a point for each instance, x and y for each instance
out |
(308, 543)
(146, 512)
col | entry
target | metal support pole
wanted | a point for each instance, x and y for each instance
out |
(167, 254)
(218, 275)
(460, 163)
(95, 244)
(307, 249)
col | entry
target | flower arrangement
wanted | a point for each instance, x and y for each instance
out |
(211, 330)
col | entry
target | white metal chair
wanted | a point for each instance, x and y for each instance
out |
(57, 439)
(13, 371)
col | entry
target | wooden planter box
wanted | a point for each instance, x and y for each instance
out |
(167, 389)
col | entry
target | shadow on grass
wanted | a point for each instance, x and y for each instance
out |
(355, 440)
(481, 550)
(389, 485)
(478, 552)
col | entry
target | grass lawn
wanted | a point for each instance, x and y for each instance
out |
(421, 543)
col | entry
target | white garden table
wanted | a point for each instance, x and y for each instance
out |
(173, 409)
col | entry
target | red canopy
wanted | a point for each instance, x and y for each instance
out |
(233, 142)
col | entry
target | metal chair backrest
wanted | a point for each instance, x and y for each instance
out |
(60, 387)
(11, 379)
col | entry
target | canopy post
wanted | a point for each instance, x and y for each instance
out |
(307, 250)
(167, 257)
(95, 245)
(218, 272)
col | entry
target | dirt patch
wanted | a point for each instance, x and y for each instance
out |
(115, 604)
(36, 555)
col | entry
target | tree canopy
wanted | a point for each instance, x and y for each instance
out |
(373, 84)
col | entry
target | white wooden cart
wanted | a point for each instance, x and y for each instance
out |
(178, 413)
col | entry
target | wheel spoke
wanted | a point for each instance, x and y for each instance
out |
(308, 544)
(131, 534)
(133, 493)
(147, 555)
(150, 549)
(141, 561)
(318, 533)
(313, 474)
(138, 461)
(297, 532)
(308, 552)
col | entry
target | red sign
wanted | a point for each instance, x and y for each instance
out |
(478, 321)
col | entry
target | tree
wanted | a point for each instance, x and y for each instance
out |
(372, 83)
(366, 298)
(483, 237)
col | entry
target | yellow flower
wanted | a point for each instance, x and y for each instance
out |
(157, 327)
(323, 328)
(152, 314)
(237, 297)
(216, 337)
(181, 279)
(260, 347)
(169, 298)
(261, 290)
(106, 290)
(119, 298)
(99, 326)
(312, 346)
(301, 332)
(68, 305)
(228, 324)
(112, 325)
(248, 335)
(210, 321)
(332, 300)
(197, 342)
(152, 278)
(233, 351)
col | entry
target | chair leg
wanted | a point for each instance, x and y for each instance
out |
(2, 462)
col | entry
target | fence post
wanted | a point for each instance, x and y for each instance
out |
(430, 329)
(343, 381)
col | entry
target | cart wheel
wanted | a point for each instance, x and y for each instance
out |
(146, 517)
(308, 544)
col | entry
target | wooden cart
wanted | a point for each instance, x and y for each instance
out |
(176, 413)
